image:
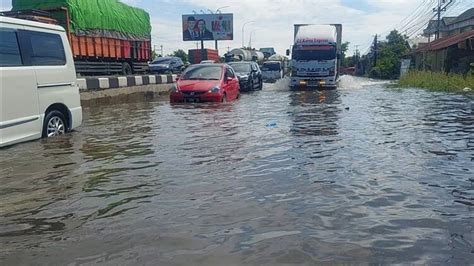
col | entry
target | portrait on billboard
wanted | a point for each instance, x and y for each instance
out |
(208, 27)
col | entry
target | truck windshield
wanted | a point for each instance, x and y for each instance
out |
(202, 73)
(314, 54)
(271, 67)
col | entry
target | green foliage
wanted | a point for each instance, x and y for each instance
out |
(389, 55)
(437, 81)
(344, 60)
(181, 54)
(345, 47)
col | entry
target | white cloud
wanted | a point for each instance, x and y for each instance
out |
(274, 20)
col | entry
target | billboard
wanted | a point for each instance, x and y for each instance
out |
(208, 27)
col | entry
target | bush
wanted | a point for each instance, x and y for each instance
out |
(437, 81)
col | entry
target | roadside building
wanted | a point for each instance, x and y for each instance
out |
(453, 51)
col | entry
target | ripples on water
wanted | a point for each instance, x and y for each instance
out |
(361, 174)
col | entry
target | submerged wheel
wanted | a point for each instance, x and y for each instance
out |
(126, 69)
(54, 124)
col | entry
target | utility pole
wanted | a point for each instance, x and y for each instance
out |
(375, 50)
(438, 11)
(161, 50)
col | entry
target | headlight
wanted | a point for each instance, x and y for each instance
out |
(174, 89)
(215, 90)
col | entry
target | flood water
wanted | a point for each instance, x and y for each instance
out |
(363, 174)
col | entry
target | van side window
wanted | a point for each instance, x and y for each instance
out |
(9, 48)
(43, 49)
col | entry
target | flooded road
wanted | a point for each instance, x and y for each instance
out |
(364, 174)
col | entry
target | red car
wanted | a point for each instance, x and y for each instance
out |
(206, 83)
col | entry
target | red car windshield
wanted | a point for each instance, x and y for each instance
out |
(202, 73)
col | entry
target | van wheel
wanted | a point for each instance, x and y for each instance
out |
(54, 124)
(126, 69)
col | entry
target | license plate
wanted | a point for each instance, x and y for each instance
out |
(191, 100)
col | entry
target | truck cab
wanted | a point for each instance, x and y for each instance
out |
(315, 56)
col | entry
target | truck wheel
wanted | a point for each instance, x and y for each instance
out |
(126, 69)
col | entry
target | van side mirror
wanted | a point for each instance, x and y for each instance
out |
(287, 52)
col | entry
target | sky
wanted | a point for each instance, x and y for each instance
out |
(274, 19)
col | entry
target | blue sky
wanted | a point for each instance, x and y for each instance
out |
(361, 19)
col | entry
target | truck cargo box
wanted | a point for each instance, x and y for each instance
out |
(196, 56)
(106, 36)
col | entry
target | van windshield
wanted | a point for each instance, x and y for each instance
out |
(271, 67)
(328, 53)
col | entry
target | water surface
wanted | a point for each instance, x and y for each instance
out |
(364, 174)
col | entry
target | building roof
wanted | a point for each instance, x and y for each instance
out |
(468, 14)
(448, 21)
(446, 42)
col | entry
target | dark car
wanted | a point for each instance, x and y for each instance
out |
(249, 74)
(163, 65)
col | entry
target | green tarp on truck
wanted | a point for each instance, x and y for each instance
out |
(97, 17)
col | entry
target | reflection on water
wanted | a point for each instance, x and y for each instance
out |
(364, 174)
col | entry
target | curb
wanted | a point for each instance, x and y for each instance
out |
(99, 83)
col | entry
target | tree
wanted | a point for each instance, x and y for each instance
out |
(344, 48)
(181, 54)
(389, 55)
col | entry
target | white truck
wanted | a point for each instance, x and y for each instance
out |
(316, 55)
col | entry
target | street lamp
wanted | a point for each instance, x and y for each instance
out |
(250, 41)
(243, 32)
(219, 9)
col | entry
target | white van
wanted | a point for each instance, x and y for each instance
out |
(39, 96)
(272, 71)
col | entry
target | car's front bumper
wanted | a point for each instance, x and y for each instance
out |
(313, 82)
(179, 97)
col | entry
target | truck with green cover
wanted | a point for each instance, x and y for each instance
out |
(106, 36)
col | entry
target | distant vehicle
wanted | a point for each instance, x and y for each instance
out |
(162, 65)
(249, 74)
(206, 83)
(272, 71)
(239, 54)
(112, 40)
(39, 96)
(269, 51)
(316, 55)
(196, 56)
(208, 62)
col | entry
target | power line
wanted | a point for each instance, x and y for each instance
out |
(415, 15)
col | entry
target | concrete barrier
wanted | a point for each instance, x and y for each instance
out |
(97, 90)
(102, 83)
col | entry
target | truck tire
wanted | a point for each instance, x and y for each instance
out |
(126, 69)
